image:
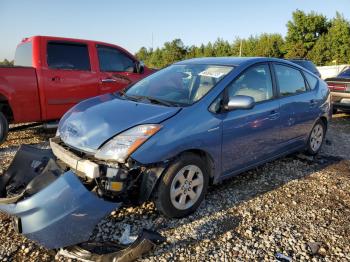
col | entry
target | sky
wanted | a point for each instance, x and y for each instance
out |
(131, 24)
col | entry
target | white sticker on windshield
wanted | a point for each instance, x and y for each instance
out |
(215, 72)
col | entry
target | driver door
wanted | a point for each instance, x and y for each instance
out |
(116, 69)
(251, 136)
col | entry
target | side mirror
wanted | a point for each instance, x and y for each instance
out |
(240, 102)
(139, 67)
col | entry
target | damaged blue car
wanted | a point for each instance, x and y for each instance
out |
(167, 138)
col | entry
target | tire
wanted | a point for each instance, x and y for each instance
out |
(176, 194)
(4, 128)
(316, 138)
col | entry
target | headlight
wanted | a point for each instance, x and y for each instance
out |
(124, 144)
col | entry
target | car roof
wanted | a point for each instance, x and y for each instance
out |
(231, 61)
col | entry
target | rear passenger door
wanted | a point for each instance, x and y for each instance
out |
(297, 105)
(117, 69)
(67, 76)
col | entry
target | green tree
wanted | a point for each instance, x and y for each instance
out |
(7, 63)
(303, 31)
(143, 54)
(222, 48)
(338, 38)
(320, 53)
(173, 51)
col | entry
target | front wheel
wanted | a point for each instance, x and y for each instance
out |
(183, 186)
(316, 138)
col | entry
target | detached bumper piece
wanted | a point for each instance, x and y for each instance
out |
(55, 209)
(110, 251)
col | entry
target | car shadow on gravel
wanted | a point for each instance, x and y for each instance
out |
(241, 188)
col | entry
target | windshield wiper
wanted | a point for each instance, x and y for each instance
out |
(158, 101)
(153, 100)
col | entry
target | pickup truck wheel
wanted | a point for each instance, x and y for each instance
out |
(182, 188)
(4, 128)
(316, 138)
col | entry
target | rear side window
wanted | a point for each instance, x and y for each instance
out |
(23, 56)
(69, 56)
(290, 80)
(311, 80)
(113, 60)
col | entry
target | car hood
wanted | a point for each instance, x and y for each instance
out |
(92, 122)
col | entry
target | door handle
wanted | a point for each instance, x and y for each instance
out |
(274, 114)
(313, 102)
(55, 78)
(108, 80)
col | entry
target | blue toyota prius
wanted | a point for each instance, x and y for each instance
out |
(202, 120)
(171, 135)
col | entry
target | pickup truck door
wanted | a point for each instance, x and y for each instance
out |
(68, 77)
(117, 69)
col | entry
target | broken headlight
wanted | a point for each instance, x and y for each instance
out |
(124, 144)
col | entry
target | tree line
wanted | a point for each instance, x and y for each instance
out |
(6, 63)
(309, 35)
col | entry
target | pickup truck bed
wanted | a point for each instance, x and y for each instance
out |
(22, 82)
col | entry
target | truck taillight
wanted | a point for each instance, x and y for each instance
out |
(336, 86)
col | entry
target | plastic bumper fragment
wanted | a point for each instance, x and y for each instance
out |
(62, 214)
(52, 208)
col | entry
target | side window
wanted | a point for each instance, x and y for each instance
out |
(70, 56)
(113, 60)
(311, 80)
(290, 80)
(255, 82)
(23, 56)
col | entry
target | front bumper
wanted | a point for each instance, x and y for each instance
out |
(60, 214)
(58, 211)
(88, 168)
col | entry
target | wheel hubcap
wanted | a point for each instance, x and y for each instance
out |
(186, 187)
(316, 137)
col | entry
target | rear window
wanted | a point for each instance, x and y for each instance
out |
(23, 56)
(69, 56)
(345, 74)
(290, 80)
(306, 64)
(311, 80)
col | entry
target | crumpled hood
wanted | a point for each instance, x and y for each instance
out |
(90, 123)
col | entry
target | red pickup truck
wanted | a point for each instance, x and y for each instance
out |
(51, 74)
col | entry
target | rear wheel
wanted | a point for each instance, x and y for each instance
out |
(183, 186)
(316, 138)
(4, 128)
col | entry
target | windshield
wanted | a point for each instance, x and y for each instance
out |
(178, 84)
(345, 74)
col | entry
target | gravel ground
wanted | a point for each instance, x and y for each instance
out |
(296, 206)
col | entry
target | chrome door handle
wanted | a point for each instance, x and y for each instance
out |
(108, 80)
